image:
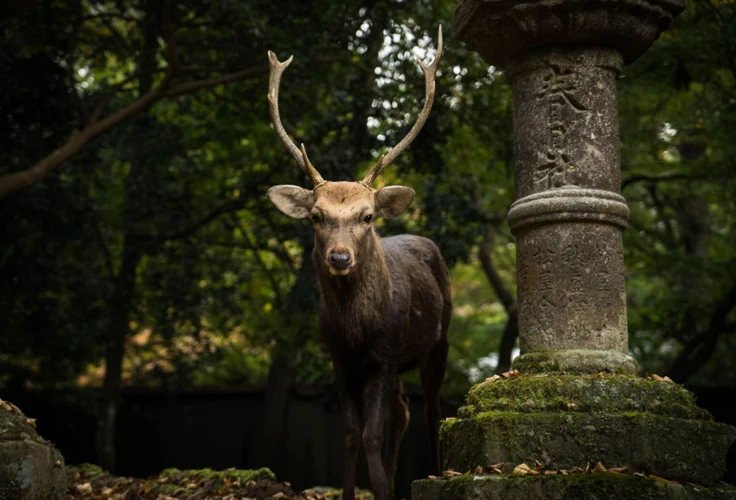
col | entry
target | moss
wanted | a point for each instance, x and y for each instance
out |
(169, 489)
(220, 475)
(576, 361)
(595, 486)
(584, 394)
(678, 448)
(90, 471)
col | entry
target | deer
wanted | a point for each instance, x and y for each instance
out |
(384, 303)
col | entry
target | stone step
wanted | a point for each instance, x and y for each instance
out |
(565, 421)
(595, 486)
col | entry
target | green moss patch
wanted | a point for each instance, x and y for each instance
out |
(89, 481)
(582, 394)
(598, 486)
(691, 450)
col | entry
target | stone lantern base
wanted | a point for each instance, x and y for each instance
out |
(586, 487)
(560, 426)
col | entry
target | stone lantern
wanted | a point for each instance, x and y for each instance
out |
(577, 401)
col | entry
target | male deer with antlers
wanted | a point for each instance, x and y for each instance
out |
(385, 304)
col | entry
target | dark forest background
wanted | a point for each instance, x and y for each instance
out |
(147, 283)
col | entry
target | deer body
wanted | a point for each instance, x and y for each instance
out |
(376, 329)
(385, 304)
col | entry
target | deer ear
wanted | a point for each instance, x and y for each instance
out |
(393, 200)
(293, 201)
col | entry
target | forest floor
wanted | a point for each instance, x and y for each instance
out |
(89, 482)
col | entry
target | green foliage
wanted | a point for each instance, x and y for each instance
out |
(217, 295)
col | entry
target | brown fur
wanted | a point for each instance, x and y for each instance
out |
(389, 314)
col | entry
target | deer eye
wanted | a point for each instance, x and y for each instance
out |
(368, 218)
(315, 218)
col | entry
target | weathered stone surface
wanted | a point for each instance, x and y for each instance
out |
(570, 421)
(673, 448)
(568, 215)
(30, 467)
(595, 486)
(500, 29)
(593, 394)
(576, 361)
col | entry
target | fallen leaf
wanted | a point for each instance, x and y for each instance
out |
(493, 378)
(451, 473)
(83, 488)
(432, 477)
(587, 467)
(497, 470)
(638, 474)
(599, 468)
(550, 472)
(521, 469)
(107, 491)
(657, 378)
(31, 422)
(617, 469)
(479, 470)
(563, 472)
(511, 374)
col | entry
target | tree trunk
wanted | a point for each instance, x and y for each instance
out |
(511, 332)
(299, 316)
(122, 300)
(120, 308)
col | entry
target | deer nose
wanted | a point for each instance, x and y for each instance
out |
(340, 260)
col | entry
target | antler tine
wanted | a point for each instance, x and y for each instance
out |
(274, 82)
(429, 75)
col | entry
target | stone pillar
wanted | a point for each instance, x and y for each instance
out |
(562, 58)
(568, 216)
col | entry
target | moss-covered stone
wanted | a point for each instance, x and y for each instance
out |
(576, 361)
(564, 421)
(583, 394)
(692, 450)
(596, 486)
(30, 467)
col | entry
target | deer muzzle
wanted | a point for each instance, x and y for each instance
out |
(340, 261)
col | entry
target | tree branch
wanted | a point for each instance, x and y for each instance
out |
(701, 347)
(227, 207)
(653, 178)
(486, 260)
(16, 181)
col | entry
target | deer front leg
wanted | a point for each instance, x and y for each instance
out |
(350, 402)
(397, 424)
(375, 408)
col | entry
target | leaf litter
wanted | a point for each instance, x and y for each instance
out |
(90, 483)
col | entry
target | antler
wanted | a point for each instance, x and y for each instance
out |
(429, 75)
(277, 68)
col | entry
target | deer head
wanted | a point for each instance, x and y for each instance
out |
(343, 213)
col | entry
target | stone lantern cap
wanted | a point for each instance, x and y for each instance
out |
(501, 29)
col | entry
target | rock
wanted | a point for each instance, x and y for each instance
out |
(30, 467)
